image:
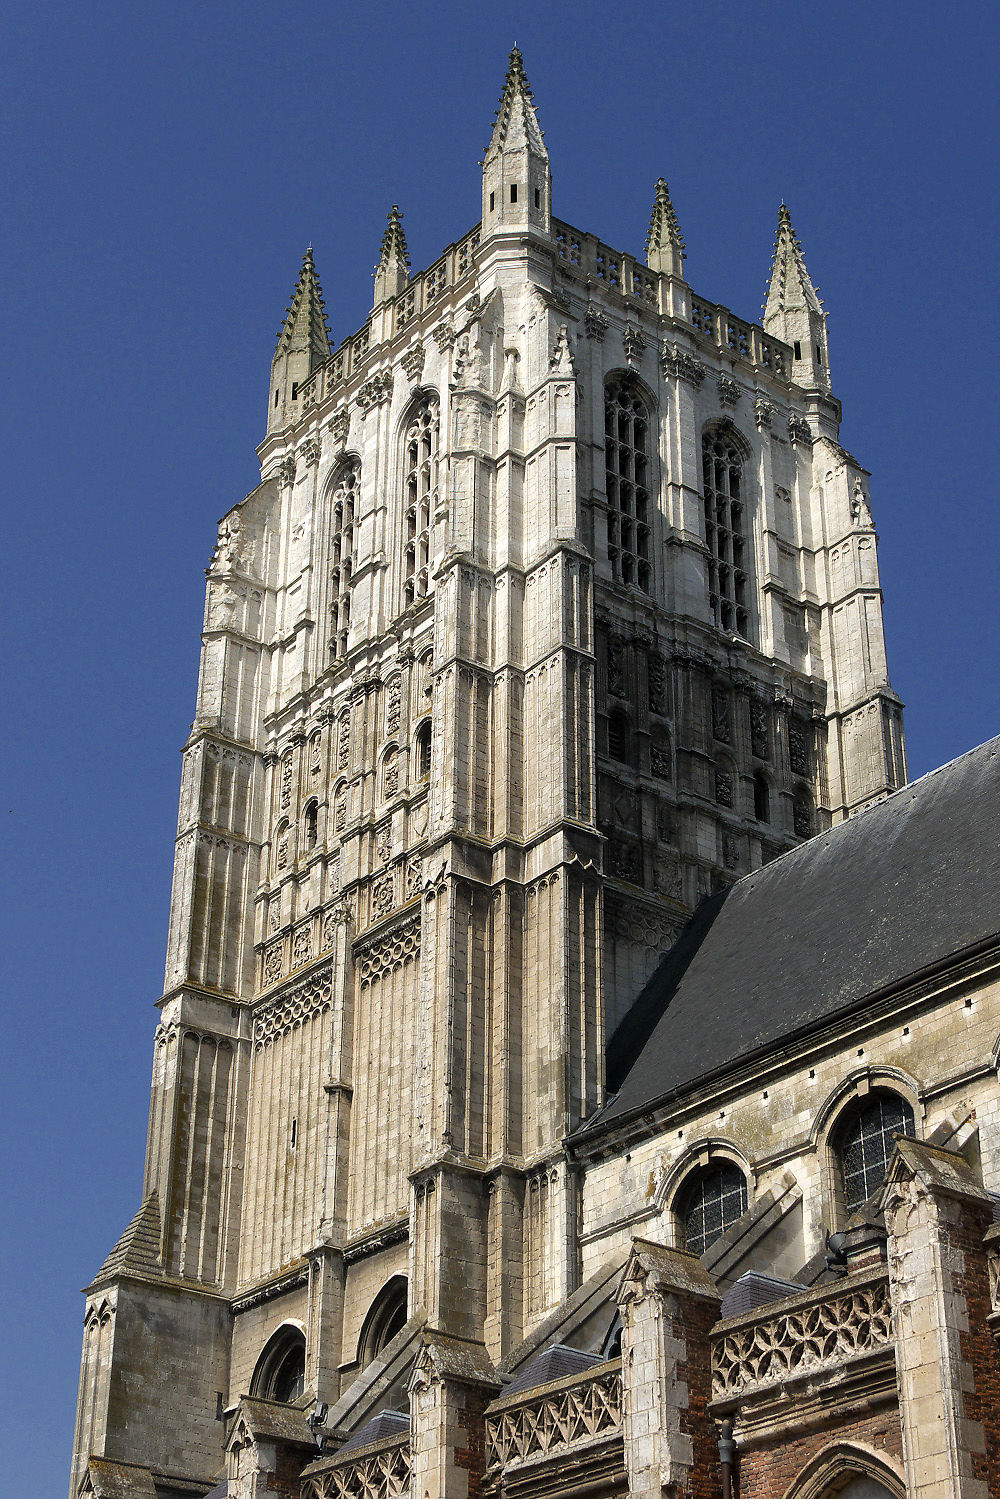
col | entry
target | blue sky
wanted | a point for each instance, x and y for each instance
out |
(164, 168)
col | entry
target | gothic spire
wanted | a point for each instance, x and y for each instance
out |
(793, 311)
(791, 288)
(517, 183)
(305, 327)
(664, 241)
(393, 269)
(516, 123)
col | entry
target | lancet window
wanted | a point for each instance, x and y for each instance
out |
(344, 502)
(626, 471)
(725, 532)
(420, 462)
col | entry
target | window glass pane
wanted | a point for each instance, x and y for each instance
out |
(715, 1202)
(867, 1145)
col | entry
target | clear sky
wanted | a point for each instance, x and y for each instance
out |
(164, 168)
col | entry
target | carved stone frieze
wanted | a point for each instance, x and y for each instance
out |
(681, 365)
(339, 424)
(634, 342)
(729, 390)
(375, 390)
(391, 950)
(595, 324)
(412, 363)
(798, 430)
(300, 1004)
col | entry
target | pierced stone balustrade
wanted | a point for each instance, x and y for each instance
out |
(554, 1418)
(816, 1332)
(381, 1471)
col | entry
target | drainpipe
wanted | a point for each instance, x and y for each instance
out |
(727, 1460)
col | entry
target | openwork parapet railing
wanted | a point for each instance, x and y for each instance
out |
(382, 1473)
(829, 1328)
(556, 1416)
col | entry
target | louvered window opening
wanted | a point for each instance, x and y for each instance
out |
(626, 464)
(421, 463)
(725, 534)
(715, 1202)
(867, 1145)
(345, 501)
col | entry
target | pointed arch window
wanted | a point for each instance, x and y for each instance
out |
(626, 477)
(421, 443)
(725, 531)
(344, 506)
(864, 1143)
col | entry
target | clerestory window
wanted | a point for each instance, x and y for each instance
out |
(710, 1203)
(864, 1145)
(725, 532)
(626, 471)
(344, 506)
(420, 458)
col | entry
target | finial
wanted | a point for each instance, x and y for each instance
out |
(665, 249)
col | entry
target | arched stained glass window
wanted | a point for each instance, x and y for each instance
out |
(711, 1203)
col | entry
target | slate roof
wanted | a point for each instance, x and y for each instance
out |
(380, 1428)
(557, 1362)
(877, 900)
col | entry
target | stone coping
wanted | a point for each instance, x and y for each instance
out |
(545, 1391)
(811, 1296)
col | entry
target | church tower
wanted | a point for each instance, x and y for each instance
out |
(556, 608)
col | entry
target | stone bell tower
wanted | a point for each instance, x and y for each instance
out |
(555, 608)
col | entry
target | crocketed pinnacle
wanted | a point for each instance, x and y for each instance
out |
(516, 123)
(393, 245)
(305, 325)
(790, 287)
(664, 232)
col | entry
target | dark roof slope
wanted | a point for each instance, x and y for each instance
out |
(894, 891)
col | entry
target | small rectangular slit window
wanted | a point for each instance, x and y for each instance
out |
(538, 198)
(493, 200)
(513, 192)
(797, 349)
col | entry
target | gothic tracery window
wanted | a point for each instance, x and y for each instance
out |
(420, 461)
(710, 1203)
(725, 531)
(626, 468)
(344, 504)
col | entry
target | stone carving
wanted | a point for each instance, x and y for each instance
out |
(286, 472)
(657, 680)
(375, 390)
(860, 510)
(682, 365)
(340, 809)
(625, 861)
(760, 736)
(723, 788)
(414, 876)
(232, 548)
(309, 450)
(730, 850)
(383, 896)
(616, 665)
(344, 740)
(273, 917)
(391, 950)
(272, 963)
(722, 720)
(668, 879)
(300, 1004)
(659, 759)
(286, 782)
(393, 704)
(831, 1331)
(412, 364)
(301, 946)
(801, 818)
(391, 774)
(339, 423)
(561, 358)
(595, 324)
(283, 849)
(634, 342)
(729, 390)
(763, 411)
(576, 1413)
(443, 335)
(798, 430)
(798, 746)
(383, 842)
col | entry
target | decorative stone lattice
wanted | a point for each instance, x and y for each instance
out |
(401, 945)
(381, 1475)
(294, 1008)
(828, 1333)
(589, 1407)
